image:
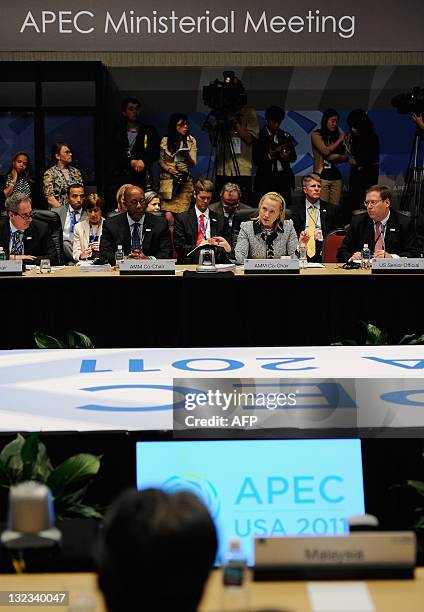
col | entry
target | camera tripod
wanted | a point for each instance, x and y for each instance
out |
(222, 151)
(413, 192)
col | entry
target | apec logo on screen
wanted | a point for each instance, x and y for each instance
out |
(261, 488)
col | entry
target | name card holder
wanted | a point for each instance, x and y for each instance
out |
(11, 267)
(271, 266)
(401, 265)
(375, 554)
(151, 267)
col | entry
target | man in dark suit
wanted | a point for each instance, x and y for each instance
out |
(70, 215)
(23, 237)
(141, 234)
(200, 226)
(387, 232)
(134, 147)
(232, 210)
(313, 219)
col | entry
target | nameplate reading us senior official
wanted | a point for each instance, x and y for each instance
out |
(271, 266)
(147, 266)
(403, 265)
(11, 267)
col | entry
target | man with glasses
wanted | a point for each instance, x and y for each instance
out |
(141, 234)
(388, 233)
(233, 210)
(200, 226)
(23, 237)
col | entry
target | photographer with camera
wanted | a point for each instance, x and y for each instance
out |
(178, 153)
(273, 153)
(232, 134)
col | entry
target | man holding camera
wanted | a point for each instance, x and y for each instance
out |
(273, 153)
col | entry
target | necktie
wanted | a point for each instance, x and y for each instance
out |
(135, 238)
(378, 237)
(311, 248)
(73, 222)
(17, 243)
(201, 230)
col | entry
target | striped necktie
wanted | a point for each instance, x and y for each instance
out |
(311, 247)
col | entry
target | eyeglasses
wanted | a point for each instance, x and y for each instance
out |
(135, 202)
(372, 202)
(182, 123)
(25, 216)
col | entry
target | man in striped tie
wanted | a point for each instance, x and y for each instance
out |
(23, 237)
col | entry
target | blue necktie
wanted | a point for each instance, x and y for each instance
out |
(135, 238)
(17, 243)
(73, 222)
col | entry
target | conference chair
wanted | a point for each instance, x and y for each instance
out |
(331, 245)
(55, 226)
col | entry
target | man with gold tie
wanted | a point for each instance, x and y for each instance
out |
(313, 219)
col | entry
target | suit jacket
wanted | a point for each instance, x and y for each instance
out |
(146, 148)
(330, 220)
(155, 242)
(265, 164)
(242, 213)
(82, 237)
(186, 230)
(37, 240)
(400, 237)
(62, 211)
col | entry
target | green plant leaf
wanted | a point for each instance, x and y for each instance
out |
(417, 340)
(11, 459)
(85, 511)
(79, 340)
(43, 341)
(29, 454)
(72, 472)
(417, 485)
(375, 336)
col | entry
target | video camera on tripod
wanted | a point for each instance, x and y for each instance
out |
(410, 102)
(224, 97)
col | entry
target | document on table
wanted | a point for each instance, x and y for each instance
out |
(339, 597)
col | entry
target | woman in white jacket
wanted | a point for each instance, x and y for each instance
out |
(87, 233)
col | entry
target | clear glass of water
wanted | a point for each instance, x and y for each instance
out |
(45, 267)
(303, 261)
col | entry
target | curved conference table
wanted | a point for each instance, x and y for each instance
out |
(315, 307)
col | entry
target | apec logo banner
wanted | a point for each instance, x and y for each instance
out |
(262, 488)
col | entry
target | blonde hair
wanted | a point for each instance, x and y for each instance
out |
(120, 197)
(275, 197)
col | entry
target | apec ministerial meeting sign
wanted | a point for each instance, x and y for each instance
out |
(192, 26)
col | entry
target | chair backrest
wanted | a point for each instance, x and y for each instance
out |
(55, 225)
(331, 245)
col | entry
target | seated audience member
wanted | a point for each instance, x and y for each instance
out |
(200, 226)
(70, 215)
(228, 206)
(313, 219)
(23, 237)
(60, 175)
(273, 153)
(19, 178)
(87, 232)
(120, 204)
(387, 232)
(268, 236)
(153, 202)
(141, 234)
(178, 155)
(156, 552)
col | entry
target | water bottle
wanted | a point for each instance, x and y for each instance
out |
(303, 259)
(235, 592)
(365, 256)
(2, 254)
(119, 255)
